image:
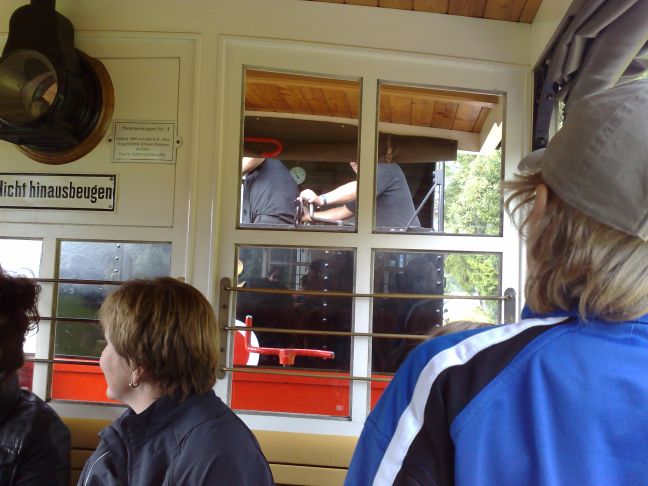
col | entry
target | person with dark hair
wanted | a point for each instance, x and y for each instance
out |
(34, 442)
(276, 275)
(560, 397)
(161, 360)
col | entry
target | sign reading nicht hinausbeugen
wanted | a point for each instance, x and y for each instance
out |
(58, 191)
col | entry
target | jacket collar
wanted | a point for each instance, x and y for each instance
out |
(528, 313)
(9, 393)
(131, 432)
(168, 413)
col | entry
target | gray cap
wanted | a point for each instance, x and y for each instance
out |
(598, 161)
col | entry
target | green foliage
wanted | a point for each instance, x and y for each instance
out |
(472, 194)
(475, 274)
(79, 338)
(473, 206)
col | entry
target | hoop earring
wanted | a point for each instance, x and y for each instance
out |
(133, 385)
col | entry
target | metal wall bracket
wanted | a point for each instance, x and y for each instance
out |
(509, 306)
(223, 319)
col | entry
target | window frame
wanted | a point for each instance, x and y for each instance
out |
(371, 67)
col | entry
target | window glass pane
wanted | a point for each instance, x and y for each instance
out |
(429, 272)
(294, 269)
(472, 194)
(300, 133)
(84, 341)
(438, 169)
(23, 257)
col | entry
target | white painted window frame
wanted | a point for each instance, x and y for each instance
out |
(370, 66)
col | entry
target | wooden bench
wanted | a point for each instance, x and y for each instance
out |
(296, 459)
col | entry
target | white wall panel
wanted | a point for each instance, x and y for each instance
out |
(146, 89)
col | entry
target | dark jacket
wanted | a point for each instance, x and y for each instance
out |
(197, 442)
(34, 443)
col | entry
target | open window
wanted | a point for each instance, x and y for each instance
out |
(362, 289)
(299, 132)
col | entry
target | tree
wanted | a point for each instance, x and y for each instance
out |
(472, 194)
(472, 206)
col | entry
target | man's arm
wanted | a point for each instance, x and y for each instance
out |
(340, 195)
(250, 163)
(333, 214)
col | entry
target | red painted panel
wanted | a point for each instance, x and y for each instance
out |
(79, 382)
(291, 394)
(250, 391)
(377, 389)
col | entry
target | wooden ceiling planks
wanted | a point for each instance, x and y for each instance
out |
(467, 8)
(399, 4)
(401, 110)
(296, 99)
(268, 91)
(435, 108)
(507, 10)
(317, 102)
(432, 6)
(466, 118)
(481, 119)
(385, 109)
(422, 112)
(529, 11)
(302, 95)
(481, 99)
(510, 10)
(366, 3)
(444, 114)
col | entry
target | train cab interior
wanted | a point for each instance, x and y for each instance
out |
(133, 165)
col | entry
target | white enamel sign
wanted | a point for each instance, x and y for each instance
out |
(58, 191)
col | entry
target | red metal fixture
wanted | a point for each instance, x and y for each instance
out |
(286, 355)
(278, 145)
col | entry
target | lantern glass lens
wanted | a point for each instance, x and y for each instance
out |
(28, 86)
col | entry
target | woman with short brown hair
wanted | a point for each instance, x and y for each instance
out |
(161, 360)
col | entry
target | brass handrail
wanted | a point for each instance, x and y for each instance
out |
(280, 330)
(265, 371)
(230, 369)
(421, 337)
(70, 319)
(60, 361)
(313, 293)
(78, 281)
(396, 295)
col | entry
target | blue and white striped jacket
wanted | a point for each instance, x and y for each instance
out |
(548, 401)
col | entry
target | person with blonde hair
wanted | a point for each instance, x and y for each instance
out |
(34, 442)
(457, 326)
(560, 397)
(161, 360)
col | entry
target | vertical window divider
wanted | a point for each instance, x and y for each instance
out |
(360, 366)
(46, 329)
(361, 357)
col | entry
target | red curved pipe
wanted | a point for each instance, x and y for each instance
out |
(286, 355)
(278, 145)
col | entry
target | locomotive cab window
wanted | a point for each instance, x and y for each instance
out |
(299, 134)
(398, 227)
